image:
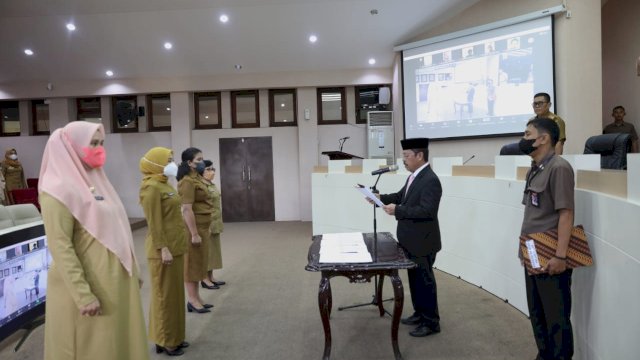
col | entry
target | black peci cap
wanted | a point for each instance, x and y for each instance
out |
(415, 143)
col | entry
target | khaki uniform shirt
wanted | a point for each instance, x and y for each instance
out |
(216, 224)
(195, 191)
(162, 209)
(549, 188)
(623, 128)
(561, 125)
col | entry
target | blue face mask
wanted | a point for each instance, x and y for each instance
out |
(200, 167)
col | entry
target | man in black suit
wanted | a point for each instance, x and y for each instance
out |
(415, 207)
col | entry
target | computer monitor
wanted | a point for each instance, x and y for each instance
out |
(24, 261)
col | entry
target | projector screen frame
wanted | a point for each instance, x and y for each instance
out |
(550, 12)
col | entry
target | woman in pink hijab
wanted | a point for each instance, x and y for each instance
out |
(93, 308)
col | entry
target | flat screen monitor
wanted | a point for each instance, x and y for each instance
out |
(24, 261)
(480, 84)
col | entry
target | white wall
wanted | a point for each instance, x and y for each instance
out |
(620, 51)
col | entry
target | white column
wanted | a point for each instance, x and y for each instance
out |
(182, 122)
(60, 112)
(24, 111)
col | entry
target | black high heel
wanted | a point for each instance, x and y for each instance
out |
(183, 345)
(219, 283)
(191, 308)
(175, 352)
(207, 306)
(210, 287)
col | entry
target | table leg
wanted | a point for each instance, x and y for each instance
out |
(324, 303)
(398, 294)
(379, 295)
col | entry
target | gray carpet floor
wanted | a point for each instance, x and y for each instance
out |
(269, 310)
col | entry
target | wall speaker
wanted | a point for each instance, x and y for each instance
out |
(140, 110)
(384, 96)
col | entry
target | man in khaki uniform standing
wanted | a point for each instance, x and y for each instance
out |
(621, 126)
(541, 105)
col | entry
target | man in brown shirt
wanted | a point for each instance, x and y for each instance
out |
(549, 204)
(620, 126)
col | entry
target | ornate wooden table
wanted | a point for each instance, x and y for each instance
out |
(390, 258)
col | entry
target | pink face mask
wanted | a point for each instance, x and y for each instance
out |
(94, 157)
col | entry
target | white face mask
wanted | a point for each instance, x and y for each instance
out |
(171, 169)
(13, 157)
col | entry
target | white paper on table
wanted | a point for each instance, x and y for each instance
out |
(344, 248)
(533, 254)
(368, 194)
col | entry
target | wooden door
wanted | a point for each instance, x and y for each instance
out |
(246, 178)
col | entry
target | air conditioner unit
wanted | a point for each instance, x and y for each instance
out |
(380, 136)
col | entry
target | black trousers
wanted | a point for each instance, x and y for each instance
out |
(424, 294)
(549, 300)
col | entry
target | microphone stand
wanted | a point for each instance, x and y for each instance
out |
(341, 142)
(374, 301)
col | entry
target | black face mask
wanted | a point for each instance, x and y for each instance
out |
(526, 145)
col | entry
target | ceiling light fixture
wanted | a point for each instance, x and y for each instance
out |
(109, 73)
(206, 116)
(29, 52)
(282, 105)
(313, 39)
(168, 109)
(372, 61)
(224, 18)
(71, 27)
(168, 45)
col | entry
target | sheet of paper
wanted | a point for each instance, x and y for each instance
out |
(344, 248)
(367, 193)
(533, 254)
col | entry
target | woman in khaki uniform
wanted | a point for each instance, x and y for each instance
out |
(165, 246)
(93, 308)
(196, 211)
(215, 251)
(13, 173)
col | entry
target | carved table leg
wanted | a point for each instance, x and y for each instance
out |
(324, 303)
(379, 295)
(398, 294)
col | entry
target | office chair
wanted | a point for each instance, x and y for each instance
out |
(613, 149)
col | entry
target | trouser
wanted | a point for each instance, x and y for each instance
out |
(424, 294)
(549, 300)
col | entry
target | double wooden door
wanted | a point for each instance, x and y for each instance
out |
(246, 178)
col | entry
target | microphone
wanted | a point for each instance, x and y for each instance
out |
(384, 170)
(472, 156)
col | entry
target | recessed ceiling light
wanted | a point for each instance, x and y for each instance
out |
(313, 38)
(224, 18)
(71, 27)
(109, 73)
(29, 52)
(237, 66)
(282, 105)
(168, 45)
(206, 116)
(168, 109)
(372, 61)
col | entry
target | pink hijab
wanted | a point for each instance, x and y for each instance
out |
(64, 176)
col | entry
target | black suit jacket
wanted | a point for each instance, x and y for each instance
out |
(417, 214)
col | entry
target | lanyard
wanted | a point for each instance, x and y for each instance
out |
(535, 170)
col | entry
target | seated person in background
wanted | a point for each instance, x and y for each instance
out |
(541, 105)
(620, 126)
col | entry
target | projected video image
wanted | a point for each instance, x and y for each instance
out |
(477, 85)
(23, 277)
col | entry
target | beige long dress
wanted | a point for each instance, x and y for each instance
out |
(83, 270)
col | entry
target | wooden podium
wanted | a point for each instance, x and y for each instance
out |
(339, 155)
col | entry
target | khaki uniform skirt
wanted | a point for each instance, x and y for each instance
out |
(197, 258)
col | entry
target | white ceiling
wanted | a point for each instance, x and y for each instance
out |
(264, 36)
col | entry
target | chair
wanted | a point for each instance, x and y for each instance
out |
(25, 196)
(23, 213)
(613, 149)
(32, 183)
(5, 218)
(511, 149)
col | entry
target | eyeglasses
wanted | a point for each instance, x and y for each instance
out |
(539, 103)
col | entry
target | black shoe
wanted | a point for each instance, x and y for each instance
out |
(175, 352)
(191, 308)
(219, 283)
(183, 345)
(210, 287)
(412, 320)
(424, 330)
(207, 306)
